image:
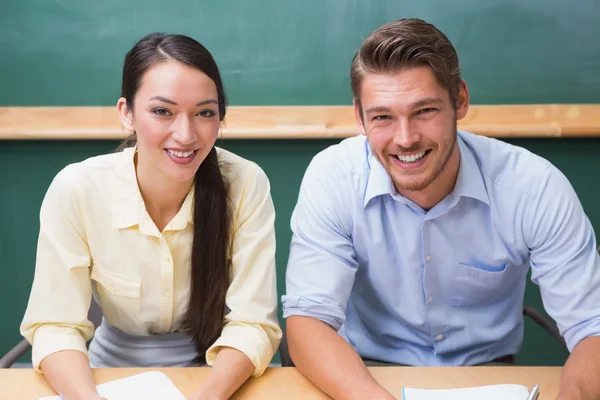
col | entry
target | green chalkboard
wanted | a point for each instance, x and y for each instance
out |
(288, 52)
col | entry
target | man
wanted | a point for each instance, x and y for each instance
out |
(411, 242)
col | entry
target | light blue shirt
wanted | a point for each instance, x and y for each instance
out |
(443, 287)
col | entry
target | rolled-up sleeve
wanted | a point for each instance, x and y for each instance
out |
(321, 266)
(252, 326)
(56, 314)
(564, 260)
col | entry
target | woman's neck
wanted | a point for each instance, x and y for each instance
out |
(162, 197)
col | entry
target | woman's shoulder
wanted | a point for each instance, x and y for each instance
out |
(90, 171)
(236, 169)
(228, 157)
(241, 173)
(80, 185)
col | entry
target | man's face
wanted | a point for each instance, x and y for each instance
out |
(410, 124)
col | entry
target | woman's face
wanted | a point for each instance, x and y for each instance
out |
(176, 118)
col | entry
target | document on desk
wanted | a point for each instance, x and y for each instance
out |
(152, 385)
(491, 392)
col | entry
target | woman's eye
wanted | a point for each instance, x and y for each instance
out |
(207, 113)
(163, 112)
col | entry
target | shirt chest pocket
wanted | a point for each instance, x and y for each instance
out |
(116, 291)
(479, 284)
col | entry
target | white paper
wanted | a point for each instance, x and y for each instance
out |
(153, 385)
(491, 392)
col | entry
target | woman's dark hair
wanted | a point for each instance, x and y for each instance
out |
(210, 267)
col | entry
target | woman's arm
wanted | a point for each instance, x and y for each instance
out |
(55, 322)
(251, 334)
(69, 373)
(231, 369)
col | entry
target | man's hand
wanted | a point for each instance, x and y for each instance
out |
(580, 376)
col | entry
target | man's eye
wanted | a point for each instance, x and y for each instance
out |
(381, 117)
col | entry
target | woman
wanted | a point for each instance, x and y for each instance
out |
(173, 237)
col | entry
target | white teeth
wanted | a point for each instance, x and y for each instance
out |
(411, 158)
(180, 154)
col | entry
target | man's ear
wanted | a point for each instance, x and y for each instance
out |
(359, 117)
(462, 100)
(126, 115)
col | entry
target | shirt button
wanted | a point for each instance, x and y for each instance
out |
(428, 258)
(429, 299)
(439, 337)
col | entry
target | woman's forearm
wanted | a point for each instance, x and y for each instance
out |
(69, 373)
(231, 369)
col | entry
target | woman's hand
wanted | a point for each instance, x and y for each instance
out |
(205, 394)
(232, 368)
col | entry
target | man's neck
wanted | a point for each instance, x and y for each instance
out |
(440, 188)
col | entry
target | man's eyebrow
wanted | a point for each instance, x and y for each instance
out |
(377, 109)
(418, 104)
(426, 102)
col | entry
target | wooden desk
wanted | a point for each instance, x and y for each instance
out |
(289, 384)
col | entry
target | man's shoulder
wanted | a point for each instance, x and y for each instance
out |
(341, 160)
(506, 166)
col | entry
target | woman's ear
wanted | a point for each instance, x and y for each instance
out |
(126, 115)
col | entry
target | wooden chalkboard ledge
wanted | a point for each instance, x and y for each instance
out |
(296, 122)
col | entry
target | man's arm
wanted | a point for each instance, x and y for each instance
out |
(319, 279)
(566, 265)
(581, 374)
(329, 362)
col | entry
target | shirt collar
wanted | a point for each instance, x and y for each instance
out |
(128, 208)
(469, 182)
(379, 181)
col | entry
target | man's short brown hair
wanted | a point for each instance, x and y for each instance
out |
(407, 43)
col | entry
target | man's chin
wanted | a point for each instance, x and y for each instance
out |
(412, 183)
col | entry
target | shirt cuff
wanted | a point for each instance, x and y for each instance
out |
(575, 335)
(49, 339)
(332, 315)
(250, 340)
